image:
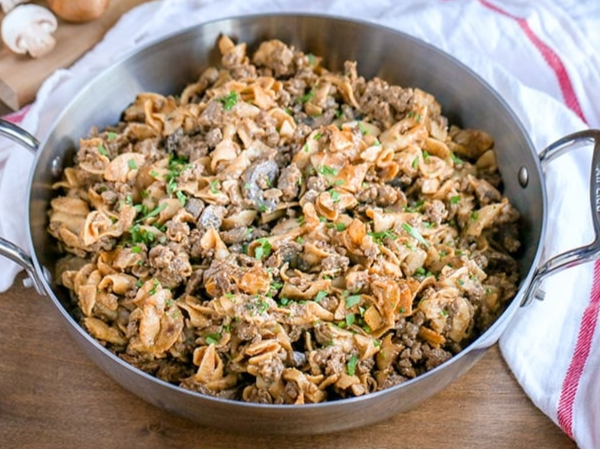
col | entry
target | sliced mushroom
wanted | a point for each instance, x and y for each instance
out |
(7, 5)
(28, 29)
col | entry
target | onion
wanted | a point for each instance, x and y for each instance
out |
(78, 10)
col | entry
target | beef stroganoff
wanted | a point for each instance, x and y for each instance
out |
(281, 233)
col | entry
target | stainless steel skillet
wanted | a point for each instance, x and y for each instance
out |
(167, 65)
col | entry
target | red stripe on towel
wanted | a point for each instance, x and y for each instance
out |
(17, 117)
(551, 58)
(581, 353)
(589, 320)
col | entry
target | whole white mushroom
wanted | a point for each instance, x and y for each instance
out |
(28, 29)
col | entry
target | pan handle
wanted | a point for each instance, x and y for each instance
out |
(19, 135)
(8, 249)
(582, 254)
(20, 257)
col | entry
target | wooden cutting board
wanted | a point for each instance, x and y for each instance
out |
(21, 76)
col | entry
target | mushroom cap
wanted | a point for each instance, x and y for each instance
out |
(7, 5)
(28, 28)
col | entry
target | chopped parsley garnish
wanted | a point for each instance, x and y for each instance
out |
(171, 185)
(417, 207)
(214, 186)
(420, 271)
(176, 166)
(229, 101)
(415, 162)
(136, 249)
(263, 249)
(326, 170)
(425, 155)
(350, 319)
(263, 306)
(474, 216)
(154, 212)
(284, 301)
(351, 365)
(340, 227)
(311, 59)
(415, 234)
(299, 240)
(181, 197)
(132, 165)
(111, 136)
(455, 199)
(379, 237)
(213, 339)
(306, 148)
(352, 300)
(318, 136)
(306, 97)
(335, 196)
(154, 173)
(177, 163)
(155, 284)
(320, 296)
(364, 131)
(456, 159)
(102, 150)
(139, 235)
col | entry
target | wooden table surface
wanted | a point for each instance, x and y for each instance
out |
(52, 396)
(21, 75)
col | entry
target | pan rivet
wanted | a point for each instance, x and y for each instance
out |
(56, 166)
(540, 295)
(523, 177)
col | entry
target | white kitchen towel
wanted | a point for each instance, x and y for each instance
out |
(540, 56)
